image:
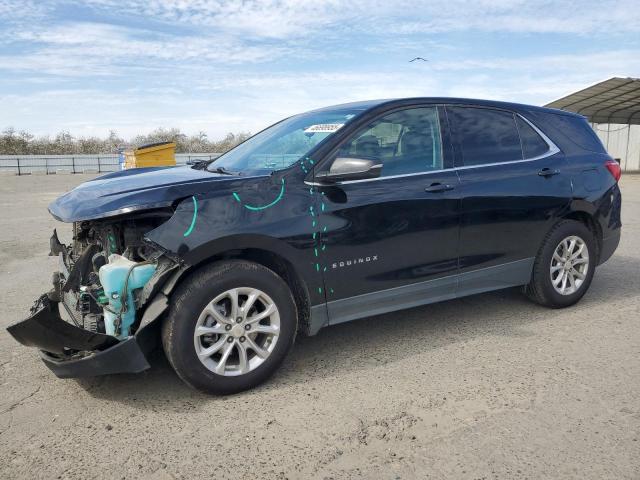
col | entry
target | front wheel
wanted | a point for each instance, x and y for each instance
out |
(230, 326)
(564, 266)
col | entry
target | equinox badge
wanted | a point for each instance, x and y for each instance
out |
(355, 261)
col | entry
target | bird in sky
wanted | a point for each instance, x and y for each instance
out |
(418, 58)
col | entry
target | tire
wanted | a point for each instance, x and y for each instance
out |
(541, 288)
(184, 347)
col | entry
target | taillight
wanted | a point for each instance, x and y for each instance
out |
(614, 169)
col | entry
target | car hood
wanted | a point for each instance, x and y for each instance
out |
(136, 189)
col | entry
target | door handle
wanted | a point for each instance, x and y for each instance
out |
(547, 172)
(438, 187)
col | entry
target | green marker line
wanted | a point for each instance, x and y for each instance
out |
(262, 207)
(193, 219)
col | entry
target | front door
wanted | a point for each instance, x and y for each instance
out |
(391, 242)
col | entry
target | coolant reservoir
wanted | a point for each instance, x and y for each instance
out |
(112, 277)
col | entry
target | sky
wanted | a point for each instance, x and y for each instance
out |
(230, 66)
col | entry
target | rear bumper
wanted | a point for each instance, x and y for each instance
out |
(609, 246)
(71, 351)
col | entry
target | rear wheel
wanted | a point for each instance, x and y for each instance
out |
(229, 327)
(564, 266)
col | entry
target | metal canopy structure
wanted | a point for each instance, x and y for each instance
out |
(616, 100)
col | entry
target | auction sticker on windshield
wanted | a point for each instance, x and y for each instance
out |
(324, 128)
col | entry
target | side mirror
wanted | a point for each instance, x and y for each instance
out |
(349, 168)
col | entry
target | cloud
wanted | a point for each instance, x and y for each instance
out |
(266, 19)
(19, 10)
(83, 48)
(519, 16)
(236, 100)
(228, 65)
(292, 18)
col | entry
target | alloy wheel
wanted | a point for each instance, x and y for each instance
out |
(237, 331)
(569, 265)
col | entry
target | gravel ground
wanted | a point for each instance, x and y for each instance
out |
(489, 386)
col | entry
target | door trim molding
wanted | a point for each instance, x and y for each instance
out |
(486, 279)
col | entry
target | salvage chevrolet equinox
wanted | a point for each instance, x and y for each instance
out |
(325, 217)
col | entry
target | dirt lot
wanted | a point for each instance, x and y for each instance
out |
(489, 386)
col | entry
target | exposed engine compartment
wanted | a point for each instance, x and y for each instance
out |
(103, 273)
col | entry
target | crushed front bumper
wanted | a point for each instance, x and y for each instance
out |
(124, 357)
(71, 351)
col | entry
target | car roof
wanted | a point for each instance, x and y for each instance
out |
(390, 102)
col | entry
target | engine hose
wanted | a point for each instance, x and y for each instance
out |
(124, 294)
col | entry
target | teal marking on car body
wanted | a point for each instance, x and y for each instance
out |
(193, 219)
(261, 207)
(316, 235)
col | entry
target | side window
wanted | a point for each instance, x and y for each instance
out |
(532, 144)
(407, 141)
(485, 135)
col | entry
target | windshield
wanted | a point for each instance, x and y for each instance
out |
(283, 144)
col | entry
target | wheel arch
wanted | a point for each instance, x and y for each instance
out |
(587, 218)
(266, 251)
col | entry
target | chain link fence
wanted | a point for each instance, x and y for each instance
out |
(53, 164)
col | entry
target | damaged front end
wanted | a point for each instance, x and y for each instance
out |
(99, 317)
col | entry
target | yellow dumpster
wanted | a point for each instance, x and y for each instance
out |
(152, 155)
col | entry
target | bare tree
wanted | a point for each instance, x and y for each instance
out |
(13, 142)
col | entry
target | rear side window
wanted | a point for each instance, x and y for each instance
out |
(485, 135)
(532, 144)
(578, 131)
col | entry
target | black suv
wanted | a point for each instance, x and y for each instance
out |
(325, 217)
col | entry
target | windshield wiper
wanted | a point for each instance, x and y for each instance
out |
(224, 171)
(198, 164)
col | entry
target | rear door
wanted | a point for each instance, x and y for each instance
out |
(392, 242)
(513, 187)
